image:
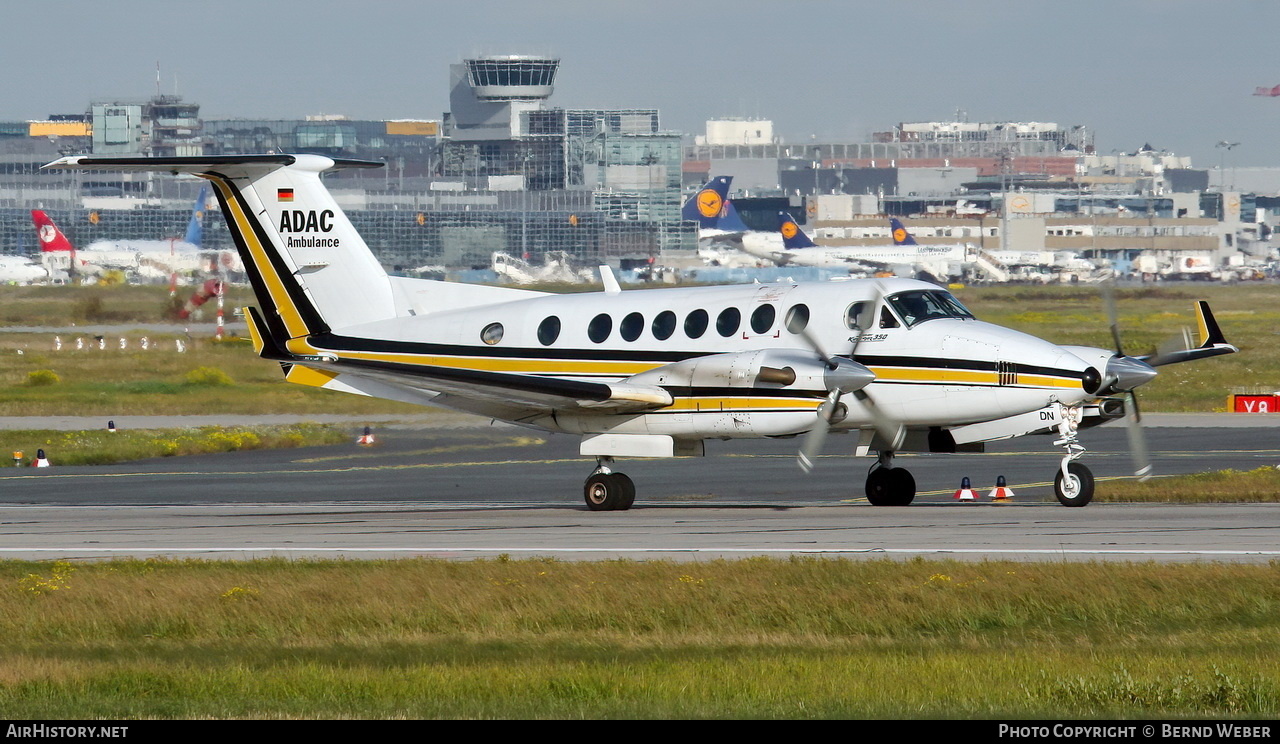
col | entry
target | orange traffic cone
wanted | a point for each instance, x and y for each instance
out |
(41, 461)
(366, 438)
(1001, 492)
(965, 492)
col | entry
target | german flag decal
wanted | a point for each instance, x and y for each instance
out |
(284, 195)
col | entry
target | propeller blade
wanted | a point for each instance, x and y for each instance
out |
(1171, 348)
(1137, 440)
(886, 428)
(1109, 301)
(811, 447)
(814, 344)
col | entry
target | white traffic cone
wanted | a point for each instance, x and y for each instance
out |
(41, 461)
(965, 492)
(1001, 492)
(366, 438)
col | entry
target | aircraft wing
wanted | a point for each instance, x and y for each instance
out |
(355, 375)
(1212, 342)
(525, 394)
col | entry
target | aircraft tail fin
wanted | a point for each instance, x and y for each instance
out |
(195, 228)
(706, 207)
(900, 234)
(792, 236)
(310, 270)
(51, 238)
(732, 221)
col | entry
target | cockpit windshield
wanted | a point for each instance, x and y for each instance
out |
(920, 305)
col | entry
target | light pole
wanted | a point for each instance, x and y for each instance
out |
(1222, 161)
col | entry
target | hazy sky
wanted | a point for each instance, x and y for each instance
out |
(1176, 74)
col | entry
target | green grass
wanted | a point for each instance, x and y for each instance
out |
(101, 447)
(756, 638)
(160, 380)
(1261, 485)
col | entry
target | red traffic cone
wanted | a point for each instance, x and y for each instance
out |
(366, 438)
(965, 492)
(111, 426)
(1001, 492)
(41, 461)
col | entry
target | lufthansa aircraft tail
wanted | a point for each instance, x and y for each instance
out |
(900, 234)
(195, 228)
(707, 206)
(792, 236)
(310, 270)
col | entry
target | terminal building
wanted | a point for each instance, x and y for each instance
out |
(1031, 187)
(505, 171)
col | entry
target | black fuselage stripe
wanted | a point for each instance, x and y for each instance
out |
(524, 383)
(339, 344)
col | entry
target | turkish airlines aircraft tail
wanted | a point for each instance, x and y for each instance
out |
(51, 238)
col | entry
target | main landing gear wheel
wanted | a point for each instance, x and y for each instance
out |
(609, 492)
(1077, 488)
(890, 487)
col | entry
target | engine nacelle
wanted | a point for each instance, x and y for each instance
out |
(767, 368)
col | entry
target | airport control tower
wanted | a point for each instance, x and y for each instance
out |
(499, 124)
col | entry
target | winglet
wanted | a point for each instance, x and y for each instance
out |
(1212, 342)
(1210, 334)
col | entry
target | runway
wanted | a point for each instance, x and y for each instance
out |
(483, 491)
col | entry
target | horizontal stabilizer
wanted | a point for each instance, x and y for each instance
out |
(1212, 342)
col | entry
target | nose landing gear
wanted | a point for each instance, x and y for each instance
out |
(1073, 484)
(889, 486)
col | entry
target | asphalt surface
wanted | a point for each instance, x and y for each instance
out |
(459, 488)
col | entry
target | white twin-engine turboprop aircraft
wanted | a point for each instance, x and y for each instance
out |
(654, 373)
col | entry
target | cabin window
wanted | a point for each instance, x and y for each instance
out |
(797, 318)
(853, 316)
(599, 328)
(762, 318)
(549, 330)
(664, 324)
(491, 334)
(631, 326)
(695, 324)
(728, 321)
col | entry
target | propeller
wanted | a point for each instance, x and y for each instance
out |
(843, 376)
(1128, 373)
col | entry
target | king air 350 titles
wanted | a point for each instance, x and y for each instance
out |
(311, 221)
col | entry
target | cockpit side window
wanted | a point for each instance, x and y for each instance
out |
(917, 306)
(886, 318)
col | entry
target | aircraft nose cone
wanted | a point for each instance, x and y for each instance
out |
(1129, 373)
(848, 376)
